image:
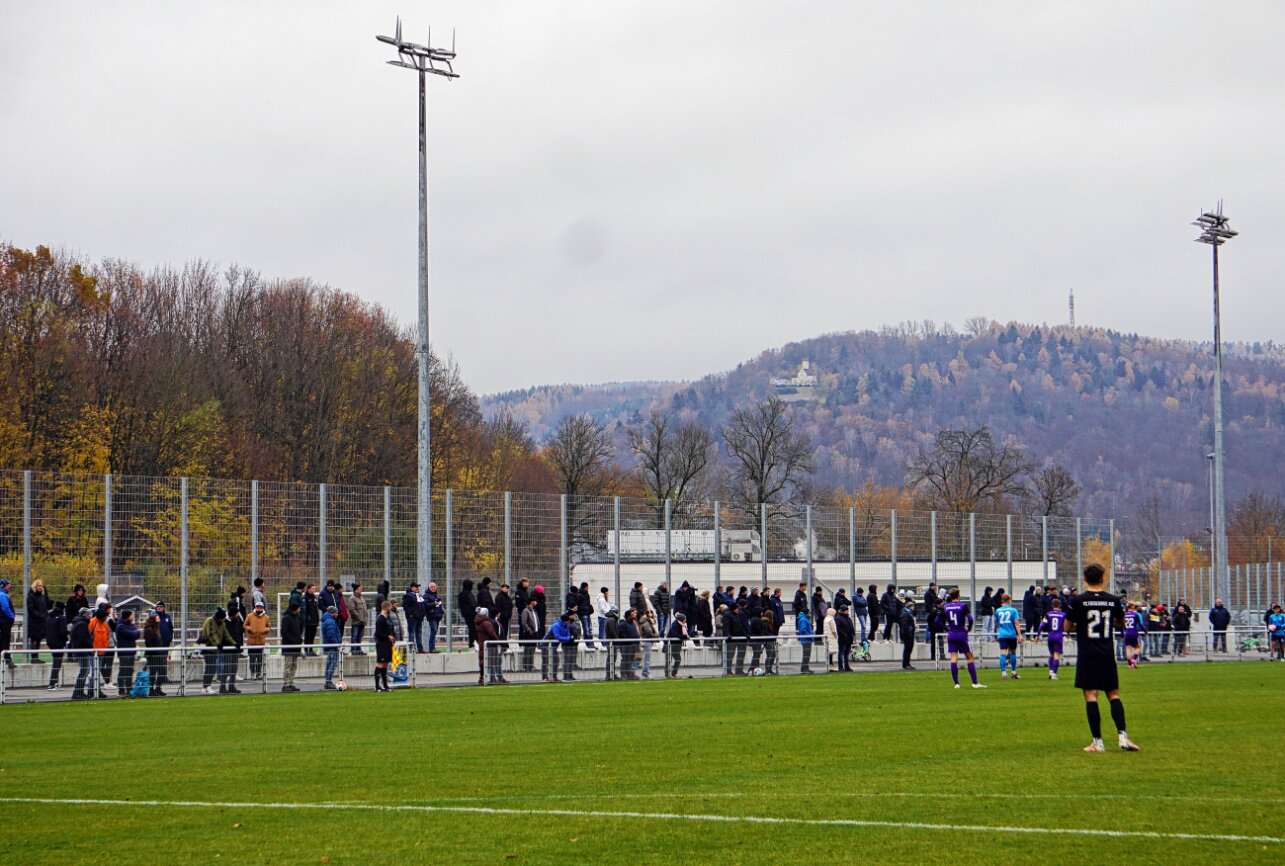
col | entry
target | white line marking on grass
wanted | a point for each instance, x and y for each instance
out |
(657, 816)
(927, 795)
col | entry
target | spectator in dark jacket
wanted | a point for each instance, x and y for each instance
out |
(872, 600)
(488, 660)
(890, 610)
(1031, 610)
(1219, 619)
(166, 626)
(675, 637)
(77, 602)
(1181, 627)
(56, 638)
(413, 607)
(986, 608)
(37, 610)
(127, 635)
(81, 643)
(521, 595)
(466, 603)
(906, 621)
(584, 613)
(661, 600)
(847, 635)
(154, 657)
(638, 598)
(311, 617)
(434, 613)
(819, 607)
(801, 600)
(236, 616)
(735, 634)
(503, 612)
(629, 638)
(840, 599)
(291, 637)
(484, 597)
(778, 610)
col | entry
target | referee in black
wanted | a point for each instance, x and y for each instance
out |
(1096, 614)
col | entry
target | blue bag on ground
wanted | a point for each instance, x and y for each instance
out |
(142, 685)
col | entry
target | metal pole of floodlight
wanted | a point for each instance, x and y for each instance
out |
(1215, 231)
(426, 60)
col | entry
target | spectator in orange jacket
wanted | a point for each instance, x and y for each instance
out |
(256, 626)
(100, 632)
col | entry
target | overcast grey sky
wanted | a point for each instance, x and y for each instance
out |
(632, 190)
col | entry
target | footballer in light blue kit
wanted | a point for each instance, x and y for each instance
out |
(1054, 625)
(958, 621)
(1008, 628)
(1276, 631)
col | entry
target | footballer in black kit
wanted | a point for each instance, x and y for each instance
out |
(1095, 614)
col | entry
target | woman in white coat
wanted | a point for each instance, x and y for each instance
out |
(831, 639)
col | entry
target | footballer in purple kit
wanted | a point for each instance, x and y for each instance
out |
(1054, 625)
(959, 621)
(1132, 625)
(1096, 614)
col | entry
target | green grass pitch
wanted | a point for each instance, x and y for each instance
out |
(869, 768)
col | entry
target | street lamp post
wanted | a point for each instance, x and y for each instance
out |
(1215, 231)
(425, 60)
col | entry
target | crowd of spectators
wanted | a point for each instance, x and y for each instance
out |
(748, 622)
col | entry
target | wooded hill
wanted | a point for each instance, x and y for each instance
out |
(1128, 415)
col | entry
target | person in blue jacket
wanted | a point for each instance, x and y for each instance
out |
(7, 616)
(558, 635)
(1276, 632)
(331, 640)
(803, 628)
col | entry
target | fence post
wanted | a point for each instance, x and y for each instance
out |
(763, 543)
(321, 535)
(562, 547)
(1079, 553)
(1008, 543)
(668, 542)
(107, 531)
(972, 560)
(388, 538)
(182, 570)
(852, 553)
(254, 533)
(807, 546)
(718, 545)
(508, 538)
(894, 546)
(615, 564)
(26, 544)
(932, 543)
(450, 560)
(1111, 547)
(1044, 548)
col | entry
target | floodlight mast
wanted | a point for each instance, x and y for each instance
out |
(1216, 231)
(426, 60)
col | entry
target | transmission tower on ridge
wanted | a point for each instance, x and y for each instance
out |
(1071, 305)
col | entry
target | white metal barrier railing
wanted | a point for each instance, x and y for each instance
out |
(147, 671)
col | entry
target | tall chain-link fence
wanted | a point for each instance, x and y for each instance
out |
(191, 542)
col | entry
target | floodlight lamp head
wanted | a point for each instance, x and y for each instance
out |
(422, 58)
(1215, 229)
